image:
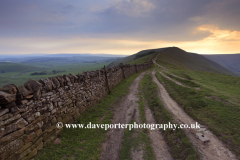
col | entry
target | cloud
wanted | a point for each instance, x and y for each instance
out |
(137, 22)
(134, 8)
(220, 41)
(220, 35)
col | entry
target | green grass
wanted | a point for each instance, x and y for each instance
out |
(186, 82)
(86, 143)
(178, 142)
(221, 117)
(141, 104)
(223, 86)
(16, 67)
(142, 59)
(136, 139)
(126, 146)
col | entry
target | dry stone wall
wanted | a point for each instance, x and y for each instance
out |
(29, 113)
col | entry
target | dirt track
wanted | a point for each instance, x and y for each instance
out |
(124, 112)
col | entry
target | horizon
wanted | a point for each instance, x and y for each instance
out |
(64, 54)
(100, 53)
(119, 27)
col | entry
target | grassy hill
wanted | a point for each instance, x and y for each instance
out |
(193, 61)
(230, 61)
(137, 58)
(15, 67)
(179, 58)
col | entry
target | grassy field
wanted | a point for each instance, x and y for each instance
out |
(20, 77)
(15, 67)
(216, 104)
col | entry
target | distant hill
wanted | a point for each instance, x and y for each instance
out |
(15, 67)
(65, 58)
(230, 61)
(135, 56)
(192, 61)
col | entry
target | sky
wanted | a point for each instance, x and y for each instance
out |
(118, 26)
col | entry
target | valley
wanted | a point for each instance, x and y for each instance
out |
(18, 71)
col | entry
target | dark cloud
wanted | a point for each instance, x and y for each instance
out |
(170, 20)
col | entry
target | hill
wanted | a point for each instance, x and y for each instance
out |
(230, 61)
(135, 57)
(64, 58)
(193, 61)
(177, 57)
(15, 67)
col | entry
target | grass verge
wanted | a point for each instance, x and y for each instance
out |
(178, 142)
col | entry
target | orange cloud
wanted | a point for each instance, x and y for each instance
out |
(218, 42)
(218, 34)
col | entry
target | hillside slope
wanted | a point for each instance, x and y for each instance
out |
(230, 61)
(193, 61)
(131, 59)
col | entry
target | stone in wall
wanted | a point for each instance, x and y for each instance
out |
(6, 98)
(34, 87)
